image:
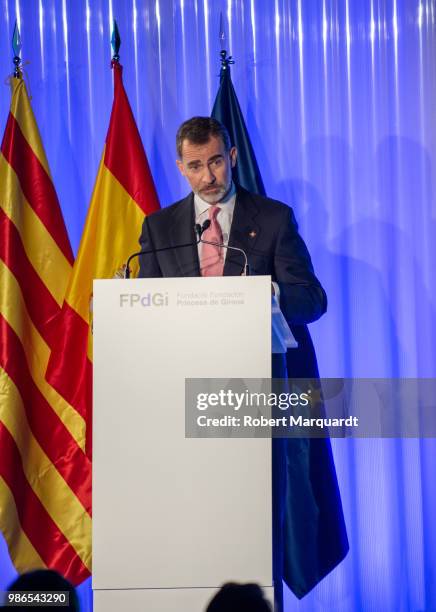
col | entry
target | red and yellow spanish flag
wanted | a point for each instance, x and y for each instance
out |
(124, 193)
(45, 475)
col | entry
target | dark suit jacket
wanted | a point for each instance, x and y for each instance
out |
(267, 231)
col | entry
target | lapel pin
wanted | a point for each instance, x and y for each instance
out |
(252, 234)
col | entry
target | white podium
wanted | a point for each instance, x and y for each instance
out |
(173, 517)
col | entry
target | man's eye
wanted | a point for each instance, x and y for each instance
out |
(217, 162)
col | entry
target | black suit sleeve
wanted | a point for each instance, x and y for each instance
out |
(302, 299)
(148, 264)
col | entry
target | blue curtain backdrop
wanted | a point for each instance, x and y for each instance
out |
(339, 98)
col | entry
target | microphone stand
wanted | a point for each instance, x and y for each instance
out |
(199, 230)
(245, 268)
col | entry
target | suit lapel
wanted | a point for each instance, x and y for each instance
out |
(182, 232)
(244, 232)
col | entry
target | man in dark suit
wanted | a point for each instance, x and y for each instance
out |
(308, 512)
(265, 229)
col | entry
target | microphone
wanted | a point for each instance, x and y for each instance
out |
(199, 229)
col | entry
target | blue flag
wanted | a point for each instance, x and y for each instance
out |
(309, 533)
(227, 111)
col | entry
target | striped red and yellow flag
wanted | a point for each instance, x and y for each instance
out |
(45, 475)
(124, 193)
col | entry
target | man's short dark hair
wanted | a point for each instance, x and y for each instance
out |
(199, 130)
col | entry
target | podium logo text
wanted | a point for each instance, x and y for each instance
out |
(145, 300)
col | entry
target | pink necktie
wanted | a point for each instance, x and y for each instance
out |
(212, 260)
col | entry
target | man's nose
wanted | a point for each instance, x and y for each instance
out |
(208, 175)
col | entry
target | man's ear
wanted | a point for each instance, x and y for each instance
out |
(233, 156)
(181, 167)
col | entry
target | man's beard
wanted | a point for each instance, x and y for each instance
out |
(213, 197)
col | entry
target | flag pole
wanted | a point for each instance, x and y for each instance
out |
(16, 48)
(227, 110)
(116, 44)
(226, 60)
